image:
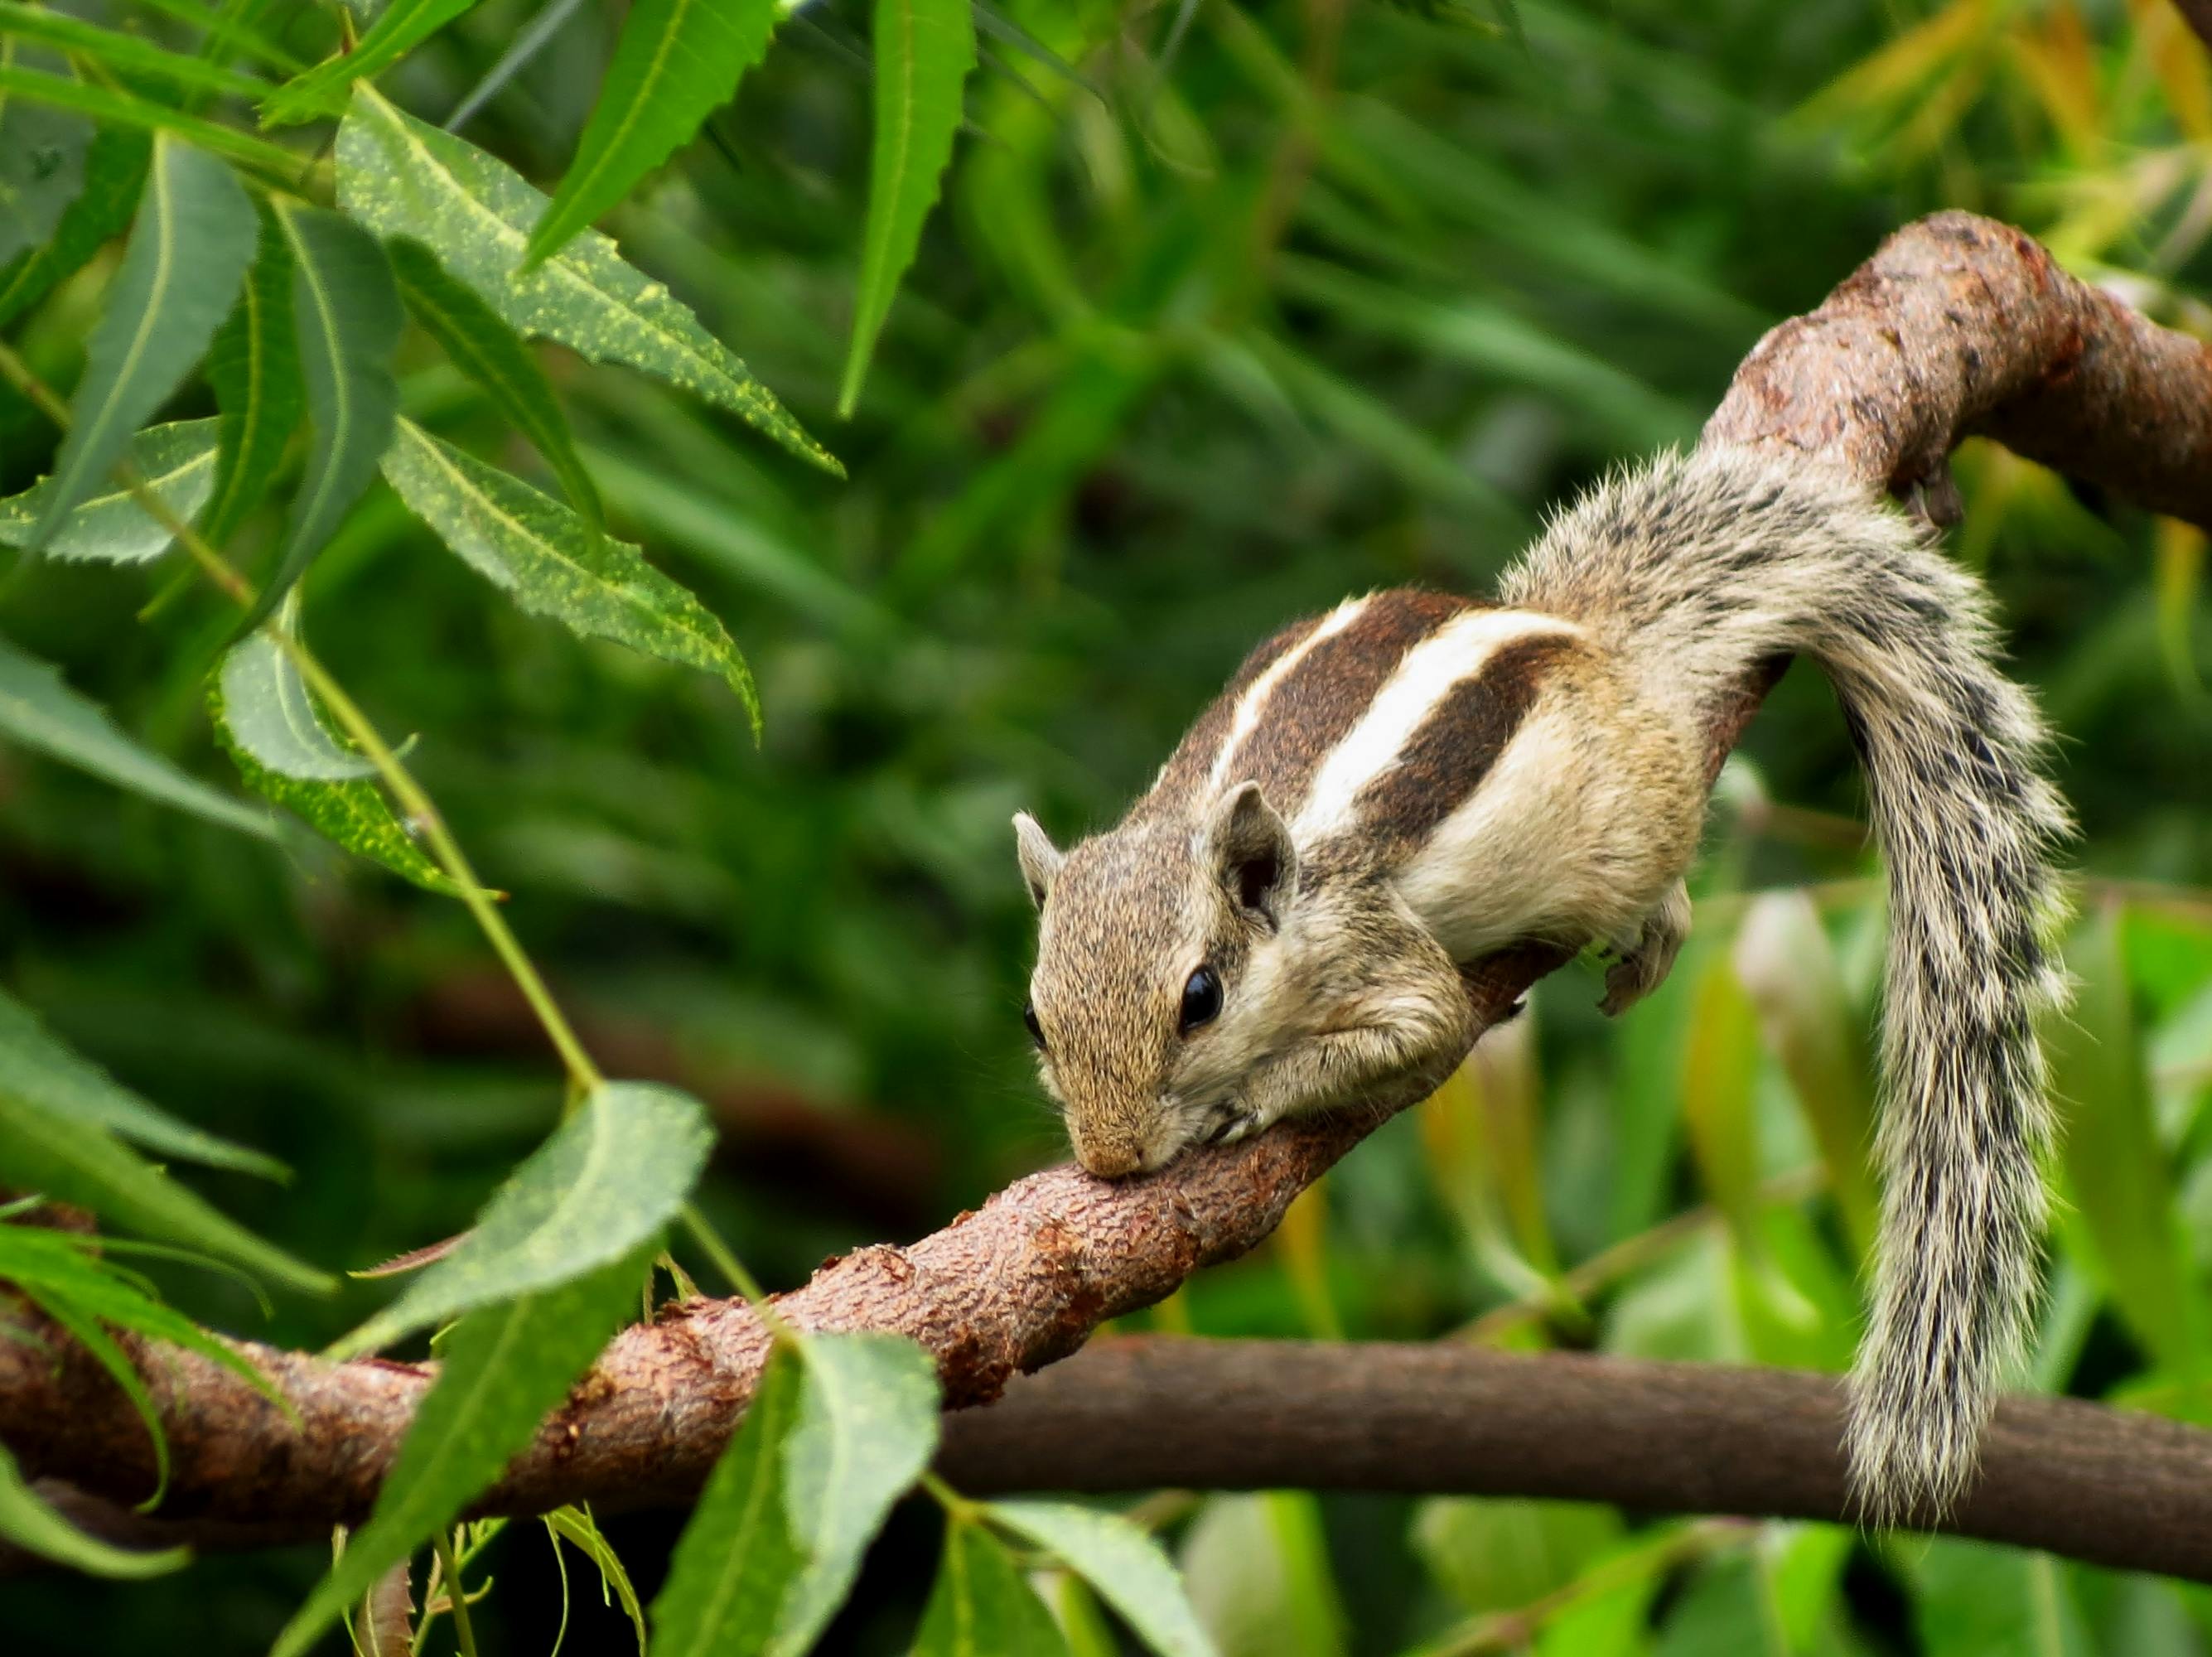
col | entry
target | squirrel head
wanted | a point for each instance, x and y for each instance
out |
(1155, 950)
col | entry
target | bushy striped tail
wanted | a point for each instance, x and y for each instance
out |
(1697, 569)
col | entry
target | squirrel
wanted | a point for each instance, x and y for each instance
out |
(1391, 791)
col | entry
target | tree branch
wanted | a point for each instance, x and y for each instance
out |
(1957, 325)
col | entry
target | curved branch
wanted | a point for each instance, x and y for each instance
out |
(1957, 325)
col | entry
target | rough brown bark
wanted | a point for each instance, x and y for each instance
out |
(1957, 325)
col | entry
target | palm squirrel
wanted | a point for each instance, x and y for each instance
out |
(1413, 780)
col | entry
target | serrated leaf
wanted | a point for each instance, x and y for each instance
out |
(42, 160)
(177, 462)
(39, 711)
(503, 1369)
(254, 367)
(608, 1180)
(981, 1606)
(553, 562)
(272, 715)
(351, 812)
(402, 178)
(33, 1525)
(188, 249)
(478, 341)
(131, 56)
(115, 174)
(38, 1066)
(867, 1426)
(403, 26)
(1124, 1564)
(347, 317)
(737, 1559)
(924, 52)
(82, 1163)
(675, 62)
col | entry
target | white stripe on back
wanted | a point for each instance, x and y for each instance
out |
(1254, 701)
(1455, 652)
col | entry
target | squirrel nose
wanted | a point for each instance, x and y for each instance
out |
(1112, 1159)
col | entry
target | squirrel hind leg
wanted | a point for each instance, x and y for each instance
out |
(1641, 963)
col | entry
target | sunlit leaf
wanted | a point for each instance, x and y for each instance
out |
(36, 1065)
(254, 367)
(131, 56)
(114, 173)
(402, 178)
(399, 29)
(608, 1180)
(924, 52)
(981, 1607)
(554, 562)
(29, 1523)
(1126, 1566)
(256, 688)
(478, 341)
(737, 1560)
(502, 1370)
(77, 1161)
(177, 462)
(677, 60)
(39, 711)
(346, 313)
(867, 1426)
(189, 248)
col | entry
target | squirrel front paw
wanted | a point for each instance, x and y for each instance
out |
(1643, 962)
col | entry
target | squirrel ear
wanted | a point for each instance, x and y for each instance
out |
(1039, 858)
(1250, 849)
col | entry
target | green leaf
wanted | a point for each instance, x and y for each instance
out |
(115, 174)
(254, 367)
(128, 56)
(1258, 1571)
(482, 345)
(737, 1559)
(273, 716)
(1494, 1555)
(982, 1606)
(39, 711)
(1976, 1599)
(555, 563)
(188, 251)
(42, 160)
(2116, 1175)
(80, 1162)
(255, 688)
(402, 178)
(576, 1526)
(1124, 1564)
(33, 1525)
(405, 25)
(125, 109)
(504, 1369)
(608, 1180)
(345, 307)
(37, 1065)
(675, 62)
(177, 462)
(924, 52)
(867, 1427)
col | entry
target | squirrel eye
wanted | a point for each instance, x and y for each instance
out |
(1030, 1018)
(1201, 999)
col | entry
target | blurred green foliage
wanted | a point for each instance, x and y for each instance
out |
(1228, 311)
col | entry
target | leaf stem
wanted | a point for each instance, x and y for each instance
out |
(464, 1632)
